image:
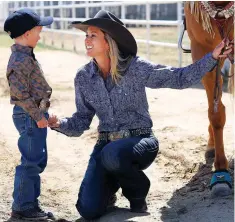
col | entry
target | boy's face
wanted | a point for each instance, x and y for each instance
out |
(32, 36)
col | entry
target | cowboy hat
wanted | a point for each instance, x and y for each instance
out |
(110, 24)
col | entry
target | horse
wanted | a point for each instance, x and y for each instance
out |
(207, 24)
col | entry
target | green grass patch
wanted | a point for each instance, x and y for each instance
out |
(7, 42)
(41, 46)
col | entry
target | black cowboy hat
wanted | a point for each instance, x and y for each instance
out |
(110, 24)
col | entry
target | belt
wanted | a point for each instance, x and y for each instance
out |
(112, 136)
(43, 104)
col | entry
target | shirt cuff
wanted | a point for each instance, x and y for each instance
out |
(63, 126)
(37, 116)
(211, 61)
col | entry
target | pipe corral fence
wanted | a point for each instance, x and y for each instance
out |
(146, 14)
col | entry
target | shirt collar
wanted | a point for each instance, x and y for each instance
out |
(23, 49)
(95, 70)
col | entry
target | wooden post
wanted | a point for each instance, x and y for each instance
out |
(74, 17)
(148, 12)
(61, 25)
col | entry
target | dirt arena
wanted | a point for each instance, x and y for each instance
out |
(179, 176)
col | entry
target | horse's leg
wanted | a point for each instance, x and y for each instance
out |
(198, 52)
(221, 180)
(221, 177)
(210, 152)
(217, 120)
(202, 43)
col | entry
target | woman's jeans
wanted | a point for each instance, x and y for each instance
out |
(33, 149)
(113, 165)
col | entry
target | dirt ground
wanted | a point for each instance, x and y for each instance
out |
(179, 176)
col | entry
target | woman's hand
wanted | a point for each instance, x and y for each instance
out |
(226, 45)
(53, 121)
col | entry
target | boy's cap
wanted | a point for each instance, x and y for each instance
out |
(23, 20)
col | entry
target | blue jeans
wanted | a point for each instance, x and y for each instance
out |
(33, 149)
(113, 165)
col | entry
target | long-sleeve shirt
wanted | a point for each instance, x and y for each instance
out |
(26, 81)
(124, 105)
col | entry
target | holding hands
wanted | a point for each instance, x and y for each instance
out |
(53, 121)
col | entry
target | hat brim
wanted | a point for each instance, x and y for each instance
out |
(125, 40)
(44, 21)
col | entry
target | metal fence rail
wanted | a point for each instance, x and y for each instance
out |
(48, 8)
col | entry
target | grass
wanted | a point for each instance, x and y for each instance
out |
(7, 42)
(158, 54)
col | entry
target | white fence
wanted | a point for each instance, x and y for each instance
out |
(3, 13)
(41, 7)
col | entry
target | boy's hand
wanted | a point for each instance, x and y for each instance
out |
(53, 121)
(42, 123)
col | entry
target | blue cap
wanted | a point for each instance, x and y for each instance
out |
(23, 20)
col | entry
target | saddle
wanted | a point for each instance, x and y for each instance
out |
(203, 12)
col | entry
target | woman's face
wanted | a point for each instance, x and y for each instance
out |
(95, 43)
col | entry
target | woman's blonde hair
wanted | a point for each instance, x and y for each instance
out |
(118, 64)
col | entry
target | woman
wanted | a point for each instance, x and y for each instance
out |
(112, 86)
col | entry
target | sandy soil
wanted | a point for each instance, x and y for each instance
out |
(179, 176)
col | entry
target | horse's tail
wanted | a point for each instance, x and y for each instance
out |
(231, 80)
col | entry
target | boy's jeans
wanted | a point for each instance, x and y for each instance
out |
(33, 149)
(113, 165)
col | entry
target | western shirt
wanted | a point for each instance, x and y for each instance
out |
(26, 81)
(124, 105)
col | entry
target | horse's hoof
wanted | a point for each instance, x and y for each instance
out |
(220, 190)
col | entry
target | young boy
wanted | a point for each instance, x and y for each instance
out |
(30, 94)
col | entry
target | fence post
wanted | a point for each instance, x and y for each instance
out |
(87, 10)
(123, 11)
(42, 9)
(52, 14)
(4, 10)
(61, 24)
(102, 5)
(148, 17)
(179, 18)
(42, 14)
(16, 5)
(74, 36)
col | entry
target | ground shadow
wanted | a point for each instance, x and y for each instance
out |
(194, 202)
(48, 220)
(116, 214)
